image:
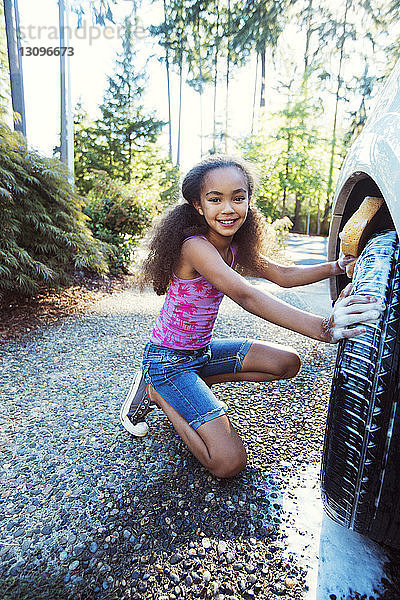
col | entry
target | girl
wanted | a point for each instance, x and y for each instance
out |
(192, 258)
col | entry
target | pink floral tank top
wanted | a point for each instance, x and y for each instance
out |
(186, 320)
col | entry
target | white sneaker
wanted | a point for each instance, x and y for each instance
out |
(135, 407)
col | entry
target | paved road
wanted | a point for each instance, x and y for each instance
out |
(311, 250)
(308, 249)
(304, 250)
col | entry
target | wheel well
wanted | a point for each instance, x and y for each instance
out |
(353, 192)
(367, 187)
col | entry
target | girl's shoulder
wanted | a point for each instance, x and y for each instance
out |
(234, 246)
(191, 237)
(183, 268)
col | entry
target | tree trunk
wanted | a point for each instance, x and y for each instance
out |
(201, 125)
(200, 85)
(169, 106)
(129, 139)
(228, 65)
(178, 152)
(67, 122)
(319, 218)
(254, 97)
(262, 93)
(288, 148)
(307, 48)
(130, 159)
(227, 102)
(297, 213)
(214, 136)
(283, 202)
(333, 142)
(168, 88)
(11, 15)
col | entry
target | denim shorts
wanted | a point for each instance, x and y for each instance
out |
(178, 376)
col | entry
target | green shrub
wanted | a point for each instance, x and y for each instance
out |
(281, 228)
(43, 230)
(120, 213)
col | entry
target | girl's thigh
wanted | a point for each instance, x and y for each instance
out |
(227, 356)
(274, 359)
(234, 356)
(189, 396)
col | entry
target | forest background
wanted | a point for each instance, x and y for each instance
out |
(314, 69)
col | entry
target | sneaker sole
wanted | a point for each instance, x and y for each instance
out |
(141, 429)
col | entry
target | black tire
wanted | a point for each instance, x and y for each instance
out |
(360, 479)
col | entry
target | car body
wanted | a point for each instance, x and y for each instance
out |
(371, 168)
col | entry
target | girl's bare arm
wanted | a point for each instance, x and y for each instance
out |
(293, 275)
(206, 260)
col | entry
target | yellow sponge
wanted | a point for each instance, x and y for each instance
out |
(355, 233)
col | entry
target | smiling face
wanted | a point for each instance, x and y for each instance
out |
(224, 200)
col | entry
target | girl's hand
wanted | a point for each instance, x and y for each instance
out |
(344, 261)
(349, 311)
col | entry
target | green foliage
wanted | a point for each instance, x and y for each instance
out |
(210, 40)
(281, 228)
(101, 10)
(43, 231)
(120, 213)
(258, 24)
(292, 162)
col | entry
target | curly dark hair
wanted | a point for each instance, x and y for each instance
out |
(183, 220)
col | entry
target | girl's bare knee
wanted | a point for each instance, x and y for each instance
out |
(229, 466)
(292, 365)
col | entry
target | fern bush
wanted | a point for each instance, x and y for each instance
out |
(43, 230)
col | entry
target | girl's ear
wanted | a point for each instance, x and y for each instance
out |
(197, 206)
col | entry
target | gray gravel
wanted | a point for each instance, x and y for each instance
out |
(90, 512)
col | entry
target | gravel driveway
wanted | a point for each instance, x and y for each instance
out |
(90, 512)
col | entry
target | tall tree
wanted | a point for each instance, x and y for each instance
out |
(124, 128)
(11, 13)
(345, 33)
(357, 16)
(261, 25)
(199, 55)
(289, 159)
(67, 126)
(222, 33)
(172, 35)
(4, 76)
(87, 156)
(164, 32)
(216, 34)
